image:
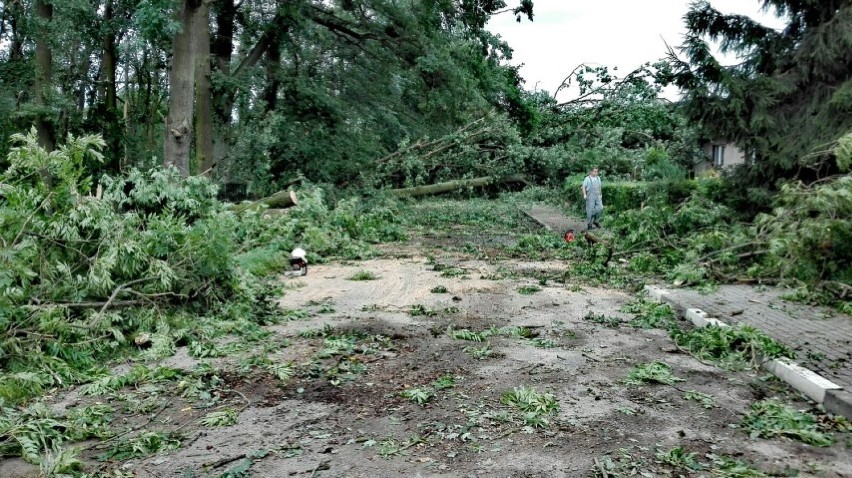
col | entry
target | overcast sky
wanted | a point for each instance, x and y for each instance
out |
(622, 33)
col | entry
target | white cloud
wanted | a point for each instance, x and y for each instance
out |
(615, 33)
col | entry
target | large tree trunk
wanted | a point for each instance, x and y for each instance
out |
(43, 75)
(203, 93)
(456, 185)
(279, 200)
(110, 65)
(178, 132)
(221, 49)
(273, 72)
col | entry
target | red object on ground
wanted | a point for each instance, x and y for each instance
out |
(569, 235)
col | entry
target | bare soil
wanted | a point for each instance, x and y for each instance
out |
(362, 427)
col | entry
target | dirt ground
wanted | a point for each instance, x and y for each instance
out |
(357, 424)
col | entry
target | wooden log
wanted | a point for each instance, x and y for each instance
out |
(449, 186)
(279, 200)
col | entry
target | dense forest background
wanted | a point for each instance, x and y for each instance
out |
(256, 94)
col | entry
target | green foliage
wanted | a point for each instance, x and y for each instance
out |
(732, 347)
(653, 372)
(805, 233)
(439, 289)
(678, 458)
(465, 334)
(770, 418)
(36, 432)
(784, 100)
(444, 382)
(220, 418)
(420, 309)
(650, 314)
(678, 461)
(144, 444)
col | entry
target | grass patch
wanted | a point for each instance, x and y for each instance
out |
(605, 320)
(480, 353)
(417, 310)
(220, 418)
(542, 343)
(771, 418)
(482, 336)
(653, 372)
(363, 275)
(145, 444)
(706, 401)
(527, 399)
(439, 290)
(731, 347)
(529, 289)
(534, 405)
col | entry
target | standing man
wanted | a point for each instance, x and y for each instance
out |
(593, 197)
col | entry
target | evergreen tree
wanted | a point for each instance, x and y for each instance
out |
(788, 99)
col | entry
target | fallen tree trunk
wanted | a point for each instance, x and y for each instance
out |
(279, 200)
(456, 185)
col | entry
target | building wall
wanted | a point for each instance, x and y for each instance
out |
(733, 156)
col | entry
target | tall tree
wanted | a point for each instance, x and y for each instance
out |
(43, 74)
(203, 92)
(791, 94)
(179, 123)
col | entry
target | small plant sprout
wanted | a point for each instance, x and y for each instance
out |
(439, 290)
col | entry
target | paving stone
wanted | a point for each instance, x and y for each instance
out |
(822, 338)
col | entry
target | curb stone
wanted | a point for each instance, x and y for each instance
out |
(819, 389)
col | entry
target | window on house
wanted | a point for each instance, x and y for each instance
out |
(718, 154)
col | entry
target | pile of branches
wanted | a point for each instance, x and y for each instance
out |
(802, 242)
(87, 272)
(81, 269)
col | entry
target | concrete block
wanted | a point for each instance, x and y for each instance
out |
(656, 293)
(809, 383)
(699, 318)
(839, 402)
